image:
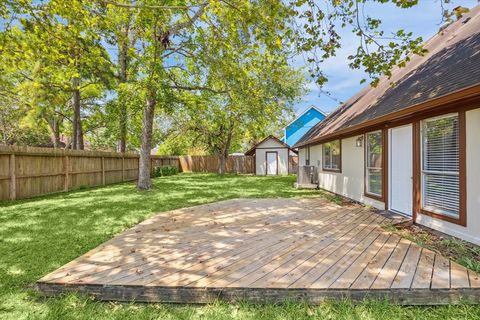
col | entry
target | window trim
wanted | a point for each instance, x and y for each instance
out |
(380, 197)
(462, 214)
(339, 170)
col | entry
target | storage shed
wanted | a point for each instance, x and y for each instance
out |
(271, 157)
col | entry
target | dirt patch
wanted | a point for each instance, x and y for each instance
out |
(464, 253)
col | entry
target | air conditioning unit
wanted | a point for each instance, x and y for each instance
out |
(307, 175)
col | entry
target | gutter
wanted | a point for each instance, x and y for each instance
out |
(462, 95)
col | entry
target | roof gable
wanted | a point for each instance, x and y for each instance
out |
(269, 142)
(451, 64)
(309, 112)
(296, 129)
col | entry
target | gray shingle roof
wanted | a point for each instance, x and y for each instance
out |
(451, 64)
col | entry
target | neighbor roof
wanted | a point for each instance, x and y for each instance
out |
(451, 64)
(252, 149)
(305, 111)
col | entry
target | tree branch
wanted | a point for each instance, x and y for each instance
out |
(178, 27)
(145, 6)
(195, 88)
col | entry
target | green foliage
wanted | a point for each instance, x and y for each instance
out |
(165, 171)
(377, 52)
(216, 71)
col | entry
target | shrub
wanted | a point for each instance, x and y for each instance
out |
(165, 171)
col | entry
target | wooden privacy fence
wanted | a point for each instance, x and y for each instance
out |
(292, 164)
(27, 172)
(235, 164)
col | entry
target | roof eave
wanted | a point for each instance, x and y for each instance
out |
(465, 93)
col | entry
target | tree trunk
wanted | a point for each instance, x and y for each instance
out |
(122, 125)
(144, 181)
(224, 156)
(77, 121)
(54, 125)
(223, 165)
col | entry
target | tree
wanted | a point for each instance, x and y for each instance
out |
(256, 91)
(179, 36)
(59, 51)
(181, 54)
(119, 28)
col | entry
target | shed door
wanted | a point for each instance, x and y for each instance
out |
(272, 163)
(401, 185)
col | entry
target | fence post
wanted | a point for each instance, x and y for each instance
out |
(103, 170)
(123, 169)
(66, 182)
(13, 180)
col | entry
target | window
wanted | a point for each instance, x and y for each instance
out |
(440, 166)
(373, 163)
(307, 156)
(332, 156)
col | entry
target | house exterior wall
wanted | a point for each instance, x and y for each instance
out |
(302, 156)
(261, 157)
(472, 231)
(350, 182)
(297, 129)
(315, 156)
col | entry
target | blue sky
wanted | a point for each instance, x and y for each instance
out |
(423, 20)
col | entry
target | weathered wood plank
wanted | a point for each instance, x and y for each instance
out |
(423, 273)
(405, 274)
(390, 269)
(441, 273)
(371, 267)
(263, 295)
(13, 179)
(263, 250)
(291, 270)
(334, 255)
(458, 276)
(474, 279)
(268, 273)
(374, 242)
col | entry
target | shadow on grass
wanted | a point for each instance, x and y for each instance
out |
(41, 234)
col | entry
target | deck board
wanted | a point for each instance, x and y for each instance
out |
(264, 250)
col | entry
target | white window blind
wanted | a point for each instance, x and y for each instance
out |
(440, 165)
(373, 163)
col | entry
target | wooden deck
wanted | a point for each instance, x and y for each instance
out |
(264, 250)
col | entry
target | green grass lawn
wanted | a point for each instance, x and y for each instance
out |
(39, 235)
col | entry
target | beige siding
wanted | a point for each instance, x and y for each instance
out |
(301, 156)
(271, 143)
(472, 231)
(315, 155)
(350, 181)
